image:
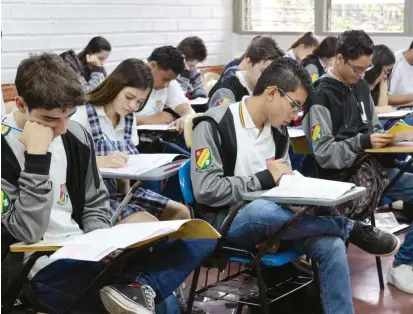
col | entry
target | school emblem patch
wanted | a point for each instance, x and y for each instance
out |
(5, 203)
(316, 133)
(223, 101)
(159, 106)
(64, 195)
(314, 77)
(203, 158)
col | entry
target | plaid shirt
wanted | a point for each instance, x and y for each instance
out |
(104, 146)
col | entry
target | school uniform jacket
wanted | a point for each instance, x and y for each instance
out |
(29, 190)
(230, 91)
(314, 68)
(339, 120)
(213, 159)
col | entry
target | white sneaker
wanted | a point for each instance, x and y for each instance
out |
(401, 277)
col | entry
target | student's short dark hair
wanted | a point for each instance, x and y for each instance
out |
(45, 82)
(285, 73)
(263, 49)
(411, 45)
(307, 39)
(353, 44)
(193, 48)
(168, 58)
(129, 73)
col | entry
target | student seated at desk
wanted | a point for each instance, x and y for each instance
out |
(321, 59)
(243, 147)
(341, 121)
(302, 47)
(233, 86)
(401, 82)
(194, 51)
(166, 63)
(109, 117)
(54, 191)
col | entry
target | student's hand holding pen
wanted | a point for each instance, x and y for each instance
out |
(114, 160)
(278, 168)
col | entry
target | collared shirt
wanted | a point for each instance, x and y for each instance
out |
(172, 97)
(254, 148)
(401, 79)
(241, 79)
(113, 133)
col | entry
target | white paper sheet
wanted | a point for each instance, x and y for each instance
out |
(156, 127)
(198, 101)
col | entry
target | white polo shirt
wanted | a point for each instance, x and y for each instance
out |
(401, 79)
(113, 133)
(253, 148)
(172, 97)
(241, 79)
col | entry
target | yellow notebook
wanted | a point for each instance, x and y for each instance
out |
(402, 131)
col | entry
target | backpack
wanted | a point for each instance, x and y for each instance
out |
(369, 173)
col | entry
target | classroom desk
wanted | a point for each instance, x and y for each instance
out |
(157, 174)
(395, 115)
(397, 148)
(354, 193)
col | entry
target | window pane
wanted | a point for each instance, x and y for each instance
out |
(369, 15)
(278, 15)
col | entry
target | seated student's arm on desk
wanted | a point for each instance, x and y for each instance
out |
(95, 211)
(209, 184)
(197, 84)
(97, 76)
(329, 153)
(399, 100)
(221, 97)
(30, 203)
(162, 117)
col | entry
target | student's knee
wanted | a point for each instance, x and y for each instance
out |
(263, 211)
(174, 211)
(141, 216)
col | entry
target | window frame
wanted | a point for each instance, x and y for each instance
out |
(320, 25)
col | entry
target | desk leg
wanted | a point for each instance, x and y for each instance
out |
(378, 260)
(125, 201)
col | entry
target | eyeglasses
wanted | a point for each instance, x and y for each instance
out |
(296, 106)
(359, 71)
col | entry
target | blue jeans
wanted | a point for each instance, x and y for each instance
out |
(321, 238)
(403, 189)
(405, 254)
(63, 281)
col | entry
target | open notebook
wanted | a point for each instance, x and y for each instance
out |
(156, 127)
(138, 164)
(95, 245)
(402, 131)
(298, 186)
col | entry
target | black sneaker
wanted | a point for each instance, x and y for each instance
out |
(373, 240)
(128, 299)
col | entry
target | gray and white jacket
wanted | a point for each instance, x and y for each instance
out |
(191, 82)
(30, 195)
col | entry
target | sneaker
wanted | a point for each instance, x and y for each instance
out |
(373, 240)
(401, 277)
(128, 299)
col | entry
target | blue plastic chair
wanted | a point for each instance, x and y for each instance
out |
(235, 255)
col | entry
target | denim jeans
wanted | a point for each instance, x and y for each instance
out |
(63, 281)
(403, 189)
(405, 254)
(321, 238)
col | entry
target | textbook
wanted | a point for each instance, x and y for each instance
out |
(156, 127)
(298, 186)
(138, 164)
(95, 245)
(402, 131)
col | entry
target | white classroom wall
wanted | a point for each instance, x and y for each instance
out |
(133, 27)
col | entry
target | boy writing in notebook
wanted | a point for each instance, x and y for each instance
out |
(54, 191)
(341, 121)
(194, 51)
(243, 147)
(166, 64)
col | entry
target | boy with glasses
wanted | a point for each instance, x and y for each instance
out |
(341, 123)
(243, 147)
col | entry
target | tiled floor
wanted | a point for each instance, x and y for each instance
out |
(367, 296)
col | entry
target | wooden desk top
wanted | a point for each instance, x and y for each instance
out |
(402, 147)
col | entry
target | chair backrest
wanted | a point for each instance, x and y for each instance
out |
(185, 183)
(188, 129)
